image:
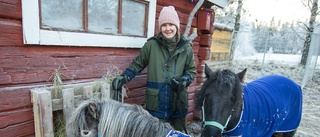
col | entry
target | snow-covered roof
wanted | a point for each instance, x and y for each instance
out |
(221, 26)
(220, 3)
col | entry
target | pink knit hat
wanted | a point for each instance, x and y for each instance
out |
(169, 15)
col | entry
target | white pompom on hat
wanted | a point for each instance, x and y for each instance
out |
(168, 14)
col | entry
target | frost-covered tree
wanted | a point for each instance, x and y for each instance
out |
(226, 15)
(313, 7)
(279, 36)
(231, 15)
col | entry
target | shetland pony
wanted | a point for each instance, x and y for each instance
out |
(262, 108)
(111, 118)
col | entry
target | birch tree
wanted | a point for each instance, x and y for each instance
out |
(235, 30)
(312, 5)
(231, 15)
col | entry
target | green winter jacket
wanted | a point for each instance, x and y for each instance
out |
(161, 101)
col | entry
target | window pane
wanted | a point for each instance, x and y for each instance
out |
(133, 18)
(103, 16)
(66, 14)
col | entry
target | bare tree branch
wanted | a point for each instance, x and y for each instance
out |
(194, 10)
(298, 34)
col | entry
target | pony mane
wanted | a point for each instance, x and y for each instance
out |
(121, 120)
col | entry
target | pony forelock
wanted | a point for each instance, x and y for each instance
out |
(78, 121)
(224, 78)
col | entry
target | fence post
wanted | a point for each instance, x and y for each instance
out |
(68, 107)
(105, 91)
(42, 110)
(87, 92)
(44, 105)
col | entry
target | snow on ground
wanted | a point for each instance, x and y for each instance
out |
(281, 58)
(287, 65)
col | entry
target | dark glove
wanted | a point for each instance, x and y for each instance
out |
(179, 83)
(119, 81)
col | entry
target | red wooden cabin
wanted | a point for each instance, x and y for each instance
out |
(30, 52)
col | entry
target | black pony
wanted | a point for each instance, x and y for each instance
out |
(262, 108)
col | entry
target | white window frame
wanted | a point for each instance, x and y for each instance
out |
(32, 34)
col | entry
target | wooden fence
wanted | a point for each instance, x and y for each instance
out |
(45, 102)
(214, 65)
(219, 56)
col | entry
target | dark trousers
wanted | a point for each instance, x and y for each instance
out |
(176, 123)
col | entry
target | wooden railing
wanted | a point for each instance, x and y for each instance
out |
(44, 103)
(219, 56)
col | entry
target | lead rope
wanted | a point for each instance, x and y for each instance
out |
(180, 109)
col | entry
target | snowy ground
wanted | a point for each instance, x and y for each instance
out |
(284, 65)
(277, 58)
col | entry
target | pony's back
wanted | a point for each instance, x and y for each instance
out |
(284, 93)
(272, 103)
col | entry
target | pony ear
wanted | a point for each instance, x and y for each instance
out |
(93, 110)
(207, 70)
(242, 76)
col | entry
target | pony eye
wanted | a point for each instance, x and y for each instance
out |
(233, 98)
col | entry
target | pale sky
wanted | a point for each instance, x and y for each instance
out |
(285, 10)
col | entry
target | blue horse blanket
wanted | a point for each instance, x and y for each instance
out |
(271, 104)
(173, 133)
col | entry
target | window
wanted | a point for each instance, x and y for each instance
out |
(104, 23)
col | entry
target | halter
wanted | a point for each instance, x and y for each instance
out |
(213, 123)
(99, 111)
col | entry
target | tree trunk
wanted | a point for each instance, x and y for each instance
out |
(235, 31)
(310, 29)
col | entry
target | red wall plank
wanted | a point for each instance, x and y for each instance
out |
(12, 99)
(37, 64)
(10, 32)
(15, 117)
(22, 129)
(10, 9)
(136, 92)
(137, 100)
(184, 6)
